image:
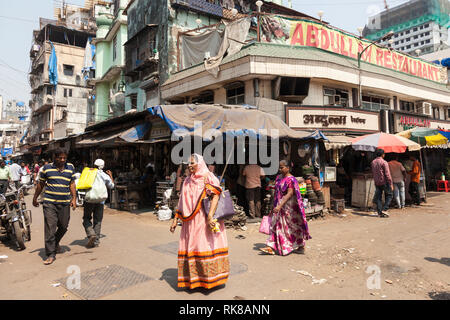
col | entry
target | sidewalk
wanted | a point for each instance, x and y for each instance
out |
(137, 259)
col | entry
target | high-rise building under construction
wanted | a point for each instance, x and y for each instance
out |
(417, 25)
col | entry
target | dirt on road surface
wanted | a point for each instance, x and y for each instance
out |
(351, 256)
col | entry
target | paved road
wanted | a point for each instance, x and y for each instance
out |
(137, 260)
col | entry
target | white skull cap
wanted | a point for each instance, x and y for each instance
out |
(99, 163)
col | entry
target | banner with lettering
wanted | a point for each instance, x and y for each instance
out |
(281, 30)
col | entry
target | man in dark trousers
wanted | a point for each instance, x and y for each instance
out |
(383, 183)
(58, 178)
(93, 212)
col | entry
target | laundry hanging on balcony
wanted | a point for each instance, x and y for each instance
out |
(53, 67)
(88, 62)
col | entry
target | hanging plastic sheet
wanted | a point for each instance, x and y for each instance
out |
(194, 47)
(236, 33)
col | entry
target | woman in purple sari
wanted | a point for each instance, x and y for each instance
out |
(289, 229)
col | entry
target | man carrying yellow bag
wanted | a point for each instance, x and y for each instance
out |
(98, 182)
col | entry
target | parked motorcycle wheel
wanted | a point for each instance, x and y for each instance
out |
(20, 236)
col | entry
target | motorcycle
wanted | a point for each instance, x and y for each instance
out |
(80, 193)
(15, 219)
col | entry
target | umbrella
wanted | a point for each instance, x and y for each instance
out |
(387, 142)
(424, 136)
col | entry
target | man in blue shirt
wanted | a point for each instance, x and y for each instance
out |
(58, 178)
(94, 211)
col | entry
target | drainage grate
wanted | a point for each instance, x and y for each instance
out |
(104, 281)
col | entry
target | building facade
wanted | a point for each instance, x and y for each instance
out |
(109, 59)
(308, 75)
(418, 25)
(155, 31)
(15, 110)
(64, 109)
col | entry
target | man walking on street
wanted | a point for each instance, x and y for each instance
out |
(5, 177)
(398, 174)
(58, 178)
(15, 174)
(383, 183)
(415, 180)
(253, 174)
(94, 211)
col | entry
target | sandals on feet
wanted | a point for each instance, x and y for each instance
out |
(267, 250)
(49, 260)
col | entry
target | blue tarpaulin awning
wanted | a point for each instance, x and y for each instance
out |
(6, 151)
(129, 135)
(228, 120)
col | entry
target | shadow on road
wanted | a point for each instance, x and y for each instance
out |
(171, 277)
(445, 261)
(41, 253)
(11, 244)
(257, 246)
(363, 214)
(439, 295)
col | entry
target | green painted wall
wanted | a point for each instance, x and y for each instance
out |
(104, 60)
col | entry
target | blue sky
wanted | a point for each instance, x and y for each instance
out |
(18, 18)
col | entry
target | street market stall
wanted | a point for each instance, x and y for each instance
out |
(363, 185)
(249, 130)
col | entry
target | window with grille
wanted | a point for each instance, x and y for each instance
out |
(236, 93)
(115, 48)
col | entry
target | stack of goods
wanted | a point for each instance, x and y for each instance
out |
(310, 194)
(302, 186)
(317, 190)
(238, 220)
(267, 205)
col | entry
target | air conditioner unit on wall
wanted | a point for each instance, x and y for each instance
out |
(425, 108)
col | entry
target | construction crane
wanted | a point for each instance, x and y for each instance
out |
(386, 5)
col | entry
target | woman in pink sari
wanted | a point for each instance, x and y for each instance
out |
(202, 253)
(289, 229)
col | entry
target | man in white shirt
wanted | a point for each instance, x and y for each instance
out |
(93, 212)
(15, 170)
(398, 174)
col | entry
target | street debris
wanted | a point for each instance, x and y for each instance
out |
(349, 250)
(238, 298)
(314, 280)
(305, 273)
(388, 281)
(54, 285)
(240, 236)
(284, 290)
(65, 295)
(321, 281)
(383, 296)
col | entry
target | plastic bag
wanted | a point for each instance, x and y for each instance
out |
(25, 179)
(98, 193)
(265, 225)
(87, 178)
(164, 213)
